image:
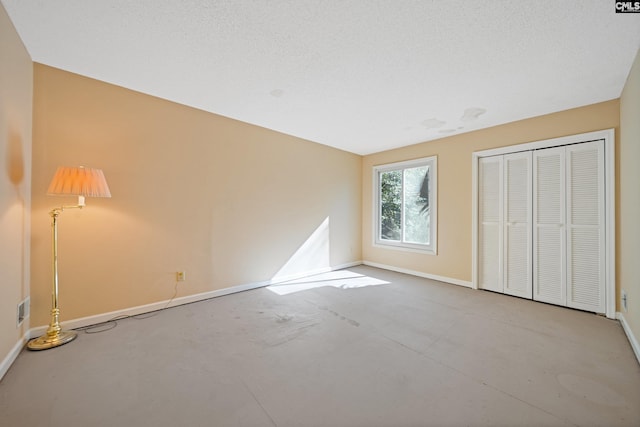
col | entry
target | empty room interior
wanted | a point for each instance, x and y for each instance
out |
(304, 213)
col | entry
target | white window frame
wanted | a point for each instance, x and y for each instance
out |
(431, 248)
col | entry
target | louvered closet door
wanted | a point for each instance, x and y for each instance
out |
(585, 226)
(517, 224)
(549, 234)
(490, 223)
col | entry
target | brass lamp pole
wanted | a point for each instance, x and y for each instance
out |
(67, 181)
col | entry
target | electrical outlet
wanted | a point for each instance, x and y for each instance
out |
(181, 276)
(623, 297)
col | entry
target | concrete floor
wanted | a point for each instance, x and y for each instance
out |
(357, 347)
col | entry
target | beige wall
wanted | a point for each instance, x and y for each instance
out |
(629, 214)
(454, 183)
(16, 88)
(228, 202)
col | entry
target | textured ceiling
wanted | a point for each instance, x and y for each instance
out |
(360, 75)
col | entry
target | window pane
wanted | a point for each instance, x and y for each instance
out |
(391, 205)
(416, 209)
(406, 206)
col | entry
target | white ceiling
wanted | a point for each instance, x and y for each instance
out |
(360, 75)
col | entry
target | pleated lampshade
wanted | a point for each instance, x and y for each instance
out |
(79, 181)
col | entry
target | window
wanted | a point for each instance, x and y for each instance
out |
(405, 205)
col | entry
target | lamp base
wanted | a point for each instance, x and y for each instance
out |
(47, 341)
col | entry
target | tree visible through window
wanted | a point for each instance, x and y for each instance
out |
(404, 208)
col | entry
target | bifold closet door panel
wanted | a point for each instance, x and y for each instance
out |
(490, 223)
(585, 226)
(541, 225)
(517, 224)
(549, 234)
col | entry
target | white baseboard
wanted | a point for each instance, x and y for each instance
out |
(420, 274)
(141, 309)
(630, 336)
(12, 355)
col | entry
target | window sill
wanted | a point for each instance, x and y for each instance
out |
(427, 251)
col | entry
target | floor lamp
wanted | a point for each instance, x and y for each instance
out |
(77, 181)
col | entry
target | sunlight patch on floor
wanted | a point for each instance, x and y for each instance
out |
(342, 279)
